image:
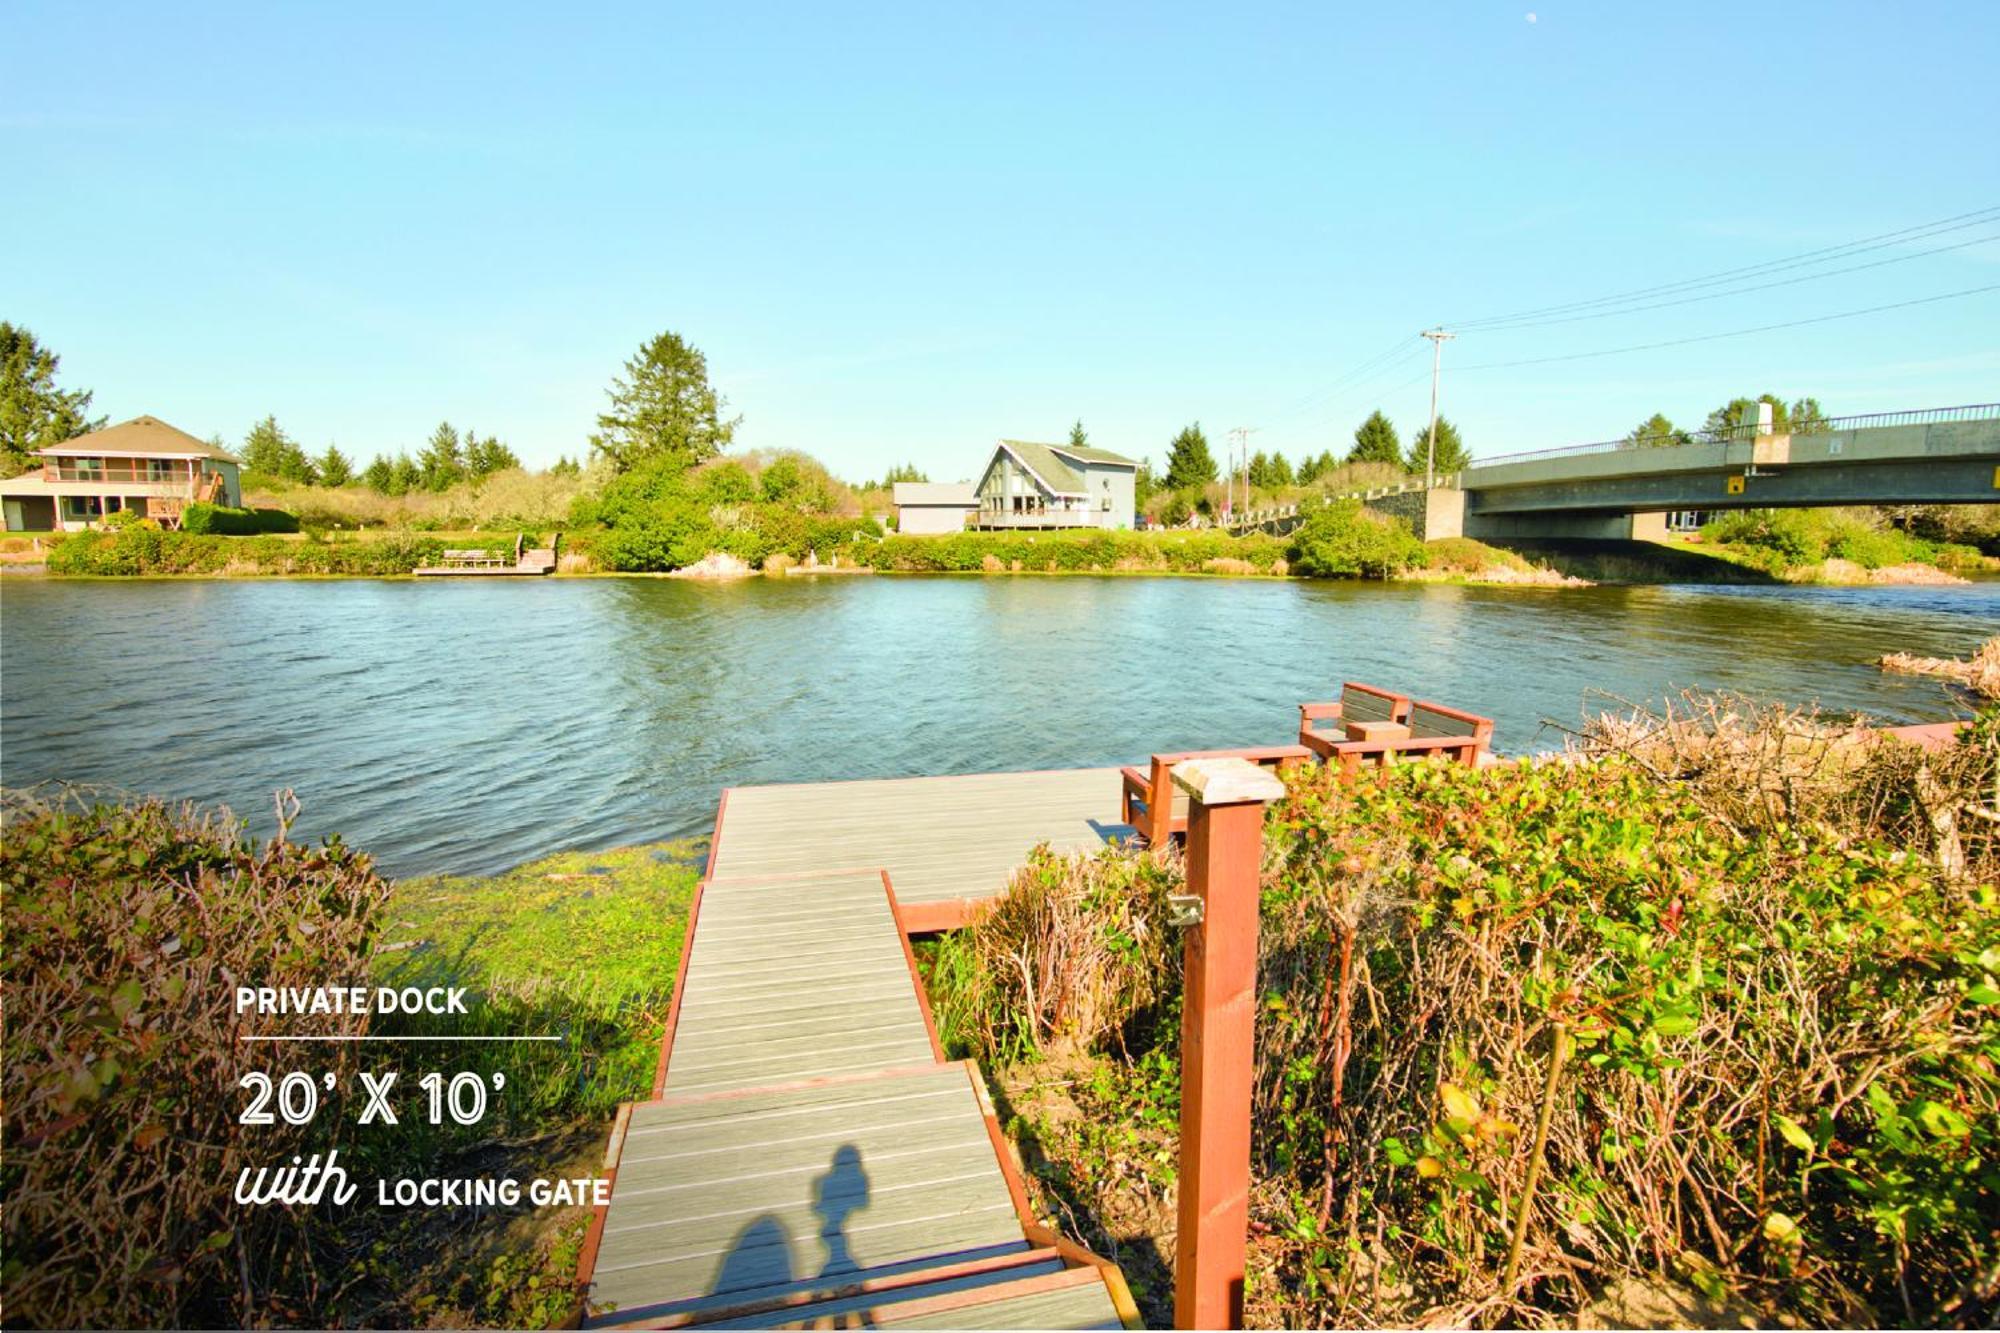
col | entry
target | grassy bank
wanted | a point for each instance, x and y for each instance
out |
(128, 927)
(1749, 974)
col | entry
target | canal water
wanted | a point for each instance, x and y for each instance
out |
(469, 726)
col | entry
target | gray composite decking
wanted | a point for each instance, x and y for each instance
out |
(795, 978)
(810, 1156)
(939, 838)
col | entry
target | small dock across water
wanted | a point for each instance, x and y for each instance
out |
(809, 1155)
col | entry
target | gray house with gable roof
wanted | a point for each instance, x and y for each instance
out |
(1028, 485)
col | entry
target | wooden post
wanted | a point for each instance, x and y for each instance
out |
(1225, 844)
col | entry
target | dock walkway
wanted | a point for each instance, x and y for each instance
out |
(809, 1155)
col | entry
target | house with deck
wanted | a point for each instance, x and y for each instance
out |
(1028, 485)
(142, 465)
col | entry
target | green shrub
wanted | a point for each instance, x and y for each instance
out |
(220, 520)
(1344, 540)
(128, 930)
(1875, 548)
(1780, 1020)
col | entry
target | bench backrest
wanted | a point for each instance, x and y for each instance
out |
(470, 555)
(1365, 703)
(1429, 720)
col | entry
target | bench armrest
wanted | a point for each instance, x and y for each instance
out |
(1319, 712)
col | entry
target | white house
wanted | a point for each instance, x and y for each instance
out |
(1027, 485)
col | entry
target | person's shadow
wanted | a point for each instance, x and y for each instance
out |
(837, 1195)
(761, 1256)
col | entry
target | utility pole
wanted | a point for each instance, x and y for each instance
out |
(1239, 442)
(1438, 338)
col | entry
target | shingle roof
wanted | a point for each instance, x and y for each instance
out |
(1088, 455)
(1041, 460)
(142, 437)
(936, 493)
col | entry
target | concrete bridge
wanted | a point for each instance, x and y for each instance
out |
(1614, 490)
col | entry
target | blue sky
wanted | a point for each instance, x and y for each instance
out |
(900, 233)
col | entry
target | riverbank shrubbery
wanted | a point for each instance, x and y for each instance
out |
(1344, 540)
(1784, 539)
(1083, 550)
(1764, 1030)
(128, 929)
(130, 924)
(661, 516)
(139, 550)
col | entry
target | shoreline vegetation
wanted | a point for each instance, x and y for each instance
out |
(140, 551)
(1429, 935)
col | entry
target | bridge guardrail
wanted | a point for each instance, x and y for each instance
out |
(1922, 416)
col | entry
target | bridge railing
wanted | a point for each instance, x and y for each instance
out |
(1923, 416)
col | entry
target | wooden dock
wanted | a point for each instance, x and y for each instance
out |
(808, 1155)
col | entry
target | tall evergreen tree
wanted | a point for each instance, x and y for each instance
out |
(1451, 453)
(1281, 470)
(1189, 462)
(1077, 439)
(334, 468)
(485, 457)
(379, 475)
(442, 461)
(34, 413)
(663, 409)
(269, 450)
(404, 476)
(1375, 441)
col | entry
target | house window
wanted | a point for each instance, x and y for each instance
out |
(79, 508)
(161, 470)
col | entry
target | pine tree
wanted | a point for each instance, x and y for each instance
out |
(334, 468)
(442, 461)
(269, 450)
(379, 475)
(1077, 439)
(1451, 455)
(34, 413)
(405, 476)
(485, 457)
(664, 410)
(1189, 464)
(1375, 441)
(1281, 470)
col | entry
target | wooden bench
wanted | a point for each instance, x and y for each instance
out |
(1157, 811)
(473, 558)
(1432, 730)
(1358, 704)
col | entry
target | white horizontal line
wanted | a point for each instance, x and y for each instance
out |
(273, 1037)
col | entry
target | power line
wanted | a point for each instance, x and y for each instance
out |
(1921, 231)
(1740, 291)
(1733, 333)
(1364, 369)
